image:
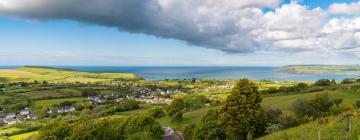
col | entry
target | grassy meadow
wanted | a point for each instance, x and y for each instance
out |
(30, 74)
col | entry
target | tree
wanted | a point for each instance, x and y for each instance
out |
(176, 106)
(177, 118)
(322, 82)
(58, 130)
(89, 92)
(143, 127)
(337, 102)
(242, 112)
(210, 128)
(156, 112)
(316, 107)
(321, 104)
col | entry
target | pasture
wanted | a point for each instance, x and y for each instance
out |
(30, 74)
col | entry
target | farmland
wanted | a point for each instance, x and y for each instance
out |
(60, 100)
(30, 74)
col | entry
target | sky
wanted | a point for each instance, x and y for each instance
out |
(179, 32)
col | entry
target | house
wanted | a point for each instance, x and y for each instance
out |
(25, 111)
(10, 121)
(1, 121)
(10, 115)
(170, 134)
(52, 111)
(33, 116)
(69, 108)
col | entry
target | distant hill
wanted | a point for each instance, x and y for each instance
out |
(322, 69)
(32, 73)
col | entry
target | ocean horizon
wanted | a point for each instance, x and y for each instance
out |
(206, 72)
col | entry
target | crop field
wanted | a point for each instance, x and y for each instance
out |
(44, 104)
(29, 74)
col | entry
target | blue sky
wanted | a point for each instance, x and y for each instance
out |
(25, 41)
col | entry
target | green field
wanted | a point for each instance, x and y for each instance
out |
(30, 74)
(335, 128)
(23, 136)
(39, 105)
(322, 69)
(8, 130)
(284, 102)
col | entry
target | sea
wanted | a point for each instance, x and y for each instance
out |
(206, 72)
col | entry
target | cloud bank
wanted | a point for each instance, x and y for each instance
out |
(231, 26)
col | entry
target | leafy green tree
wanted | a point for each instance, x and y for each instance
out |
(188, 131)
(177, 118)
(144, 127)
(242, 113)
(321, 104)
(323, 82)
(57, 130)
(301, 107)
(357, 104)
(89, 92)
(210, 128)
(176, 106)
(156, 112)
(338, 101)
(315, 107)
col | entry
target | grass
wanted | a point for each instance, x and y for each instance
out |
(8, 130)
(192, 117)
(53, 93)
(29, 74)
(335, 128)
(323, 69)
(39, 105)
(23, 136)
(284, 102)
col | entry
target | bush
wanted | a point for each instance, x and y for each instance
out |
(156, 112)
(318, 106)
(323, 82)
(177, 118)
(176, 106)
(89, 92)
(273, 115)
(135, 127)
(348, 81)
(209, 128)
(143, 127)
(288, 120)
(357, 104)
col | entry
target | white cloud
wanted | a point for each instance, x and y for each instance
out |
(345, 8)
(231, 26)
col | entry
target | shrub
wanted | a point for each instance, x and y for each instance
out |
(357, 104)
(177, 118)
(288, 120)
(210, 128)
(316, 107)
(323, 82)
(156, 112)
(337, 102)
(176, 106)
(347, 81)
(273, 115)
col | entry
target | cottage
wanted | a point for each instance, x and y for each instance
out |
(25, 112)
(10, 121)
(69, 108)
(10, 115)
(170, 134)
